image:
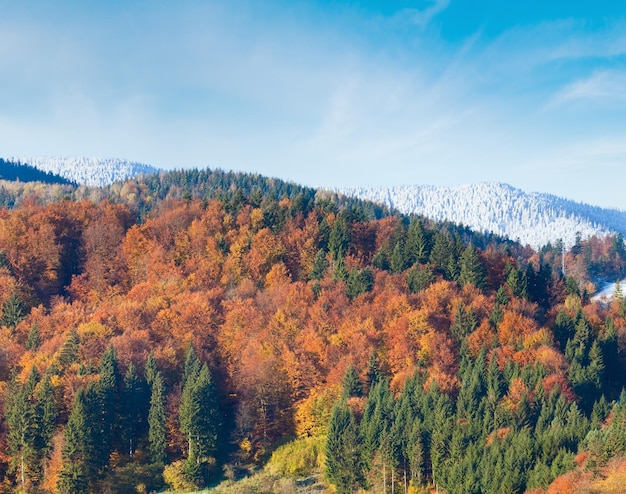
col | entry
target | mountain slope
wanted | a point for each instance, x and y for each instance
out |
(12, 171)
(533, 218)
(95, 172)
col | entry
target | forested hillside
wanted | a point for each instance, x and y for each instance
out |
(532, 218)
(181, 329)
(13, 171)
(94, 172)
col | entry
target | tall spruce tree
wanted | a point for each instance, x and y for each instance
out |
(351, 383)
(47, 412)
(200, 419)
(472, 270)
(343, 456)
(77, 448)
(191, 370)
(150, 369)
(339, 239)
(134, 409)
(416, 246)
(441, 254)
(157, 420)
(12, 311)
(34, 339)
(107, 408)
(21, 415)
(69, 350)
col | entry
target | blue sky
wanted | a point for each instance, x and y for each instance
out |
(327, 93)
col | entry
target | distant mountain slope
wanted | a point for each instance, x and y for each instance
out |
(12, 171)
(95, 172)
(533, 218)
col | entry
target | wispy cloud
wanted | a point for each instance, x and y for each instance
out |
(421, 17)
(606, 86)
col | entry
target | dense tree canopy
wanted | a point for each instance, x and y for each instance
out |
(158, 334)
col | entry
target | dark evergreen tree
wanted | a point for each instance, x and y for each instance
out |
(373, 372)
(377, 417)
(21, 416)
(464, 322)
(517, 282)
(339, 238)
(77, 448)
(563, 328)
(351, 383)
(157, 420)
(359, 281)
(192, 366)
(419, 278)
(200, 419)
(472, 270)
(610, 349)
(69, 350)
(396, 260)
(47, 413)
(34, 339)
(107, 407)
(343, 455)
(339, 271)
(320, 265)
(12, 311)
(501, 297)
(381, 258)
(134, 410)
(441, 254)
(415, 452)
(151, 369)
(416, 247)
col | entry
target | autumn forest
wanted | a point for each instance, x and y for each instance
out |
(199, 329)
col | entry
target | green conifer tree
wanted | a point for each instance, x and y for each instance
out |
(134, 410)
(22, 425)
(343, 455)
(69, 350)
(419, 278)
(157, 420)
(472, 270)
(319, 266)
(441, 254)
(192, 366)
(47, 412)
(150, 369)
(200, 419)
(396, 261)
(351, 384)
(34, 339)
(74, 476)
(107, 408)
(339, 237)
(12, 311)
(416, 247)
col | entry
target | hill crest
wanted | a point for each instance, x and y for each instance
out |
(533, 218)
(93, 171)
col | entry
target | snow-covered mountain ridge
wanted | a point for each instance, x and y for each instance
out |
(532, 218)
(95, 172)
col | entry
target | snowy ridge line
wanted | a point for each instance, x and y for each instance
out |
(532, 218)
(94, 172)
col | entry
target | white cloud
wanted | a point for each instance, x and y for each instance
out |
(422, 17)
(606, 86)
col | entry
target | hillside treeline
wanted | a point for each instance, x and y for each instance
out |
(172, 345)
(23, 172)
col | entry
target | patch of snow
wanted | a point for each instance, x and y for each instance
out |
(607, 291)
(94, 172)
(532, 218)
